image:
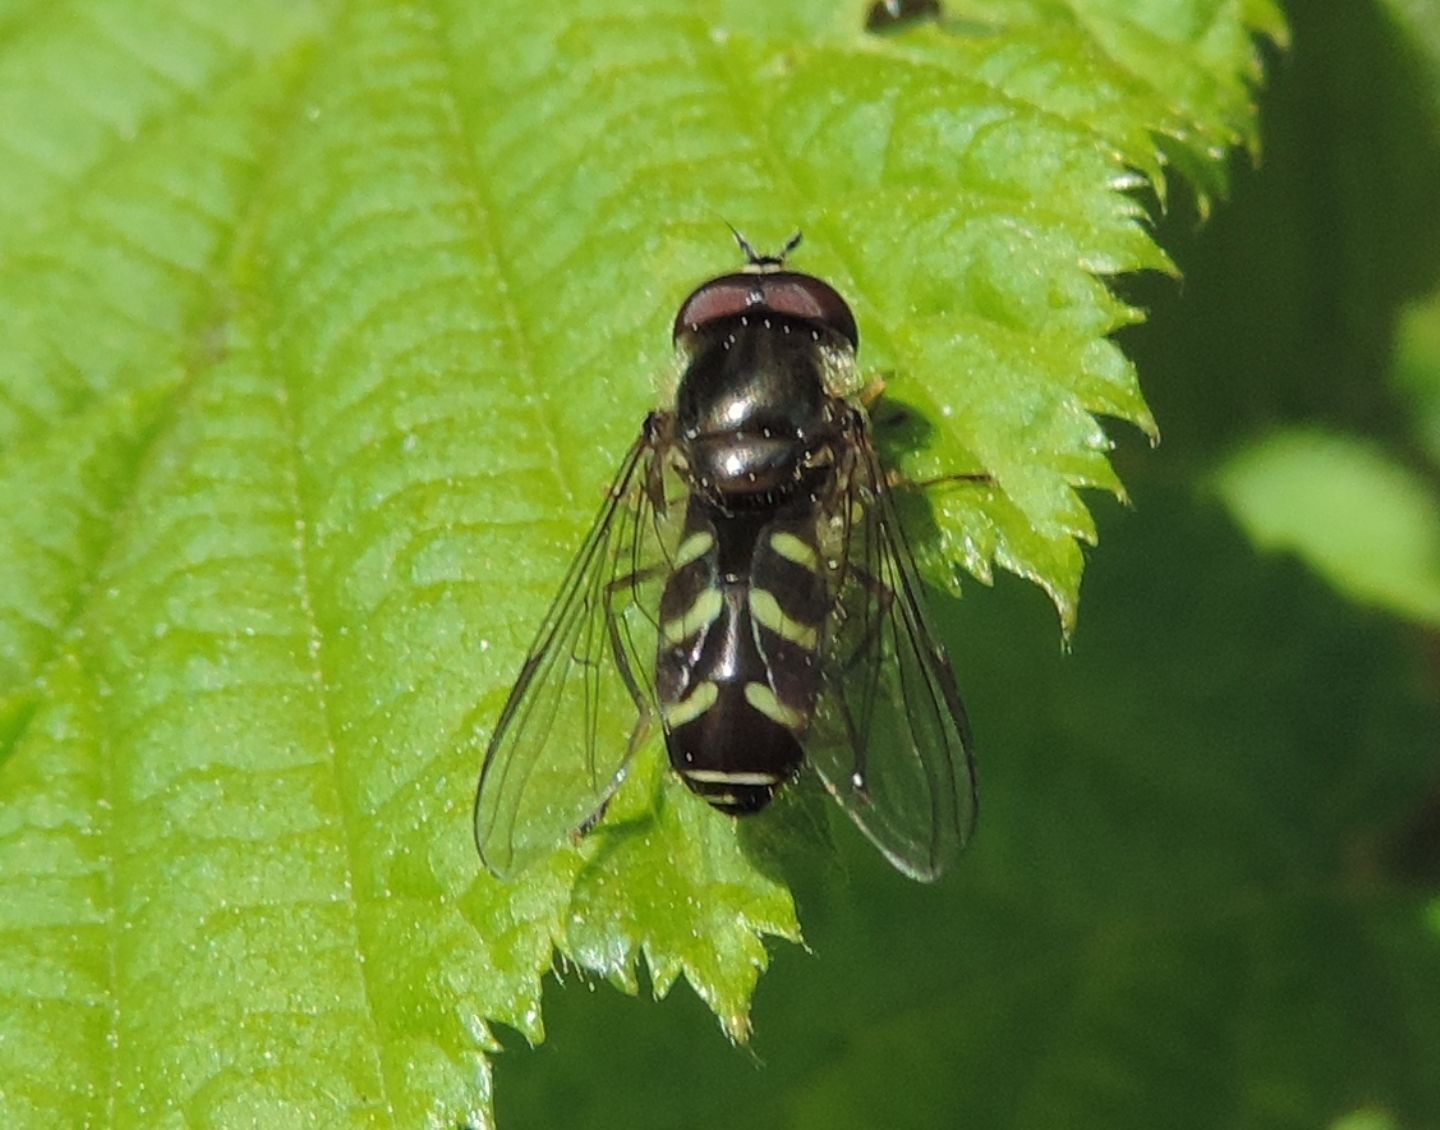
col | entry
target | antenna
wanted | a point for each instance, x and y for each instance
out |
(755, 259)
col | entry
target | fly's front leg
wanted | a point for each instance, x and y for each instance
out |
(618, 649)
(896, 481)
(888, 417)
(613, 624)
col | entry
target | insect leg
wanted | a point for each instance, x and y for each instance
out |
(613, 620)
(622, 654)
(982, 478)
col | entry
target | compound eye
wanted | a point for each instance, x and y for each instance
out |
(804, 296)
(726, 297)
(785, 293)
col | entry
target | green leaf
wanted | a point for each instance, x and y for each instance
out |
(323, 327)
(1366, 1120)
(1417, 370)
(1361, 520)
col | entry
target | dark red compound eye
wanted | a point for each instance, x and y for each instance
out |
(785, 293)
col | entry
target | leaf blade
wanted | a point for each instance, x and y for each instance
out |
(369, 300)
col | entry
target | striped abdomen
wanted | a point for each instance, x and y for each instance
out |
(742, 621)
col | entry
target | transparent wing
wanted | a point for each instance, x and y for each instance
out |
(558, 750)
(890, 737)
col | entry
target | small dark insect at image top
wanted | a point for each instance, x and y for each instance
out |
(747, 589)
(895, 15)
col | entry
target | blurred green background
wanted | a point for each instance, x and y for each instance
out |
(1203, 889)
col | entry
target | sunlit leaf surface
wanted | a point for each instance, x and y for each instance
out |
(323, 326)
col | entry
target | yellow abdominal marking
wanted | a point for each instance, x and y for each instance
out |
(763, 699)
(725, 777)
(701, 615)
(768, 614)
(701, 699)
(791, 548)
(693, 548)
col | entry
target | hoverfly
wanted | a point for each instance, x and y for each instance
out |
(747, 586)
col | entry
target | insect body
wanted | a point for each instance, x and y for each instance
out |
(747, 587)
